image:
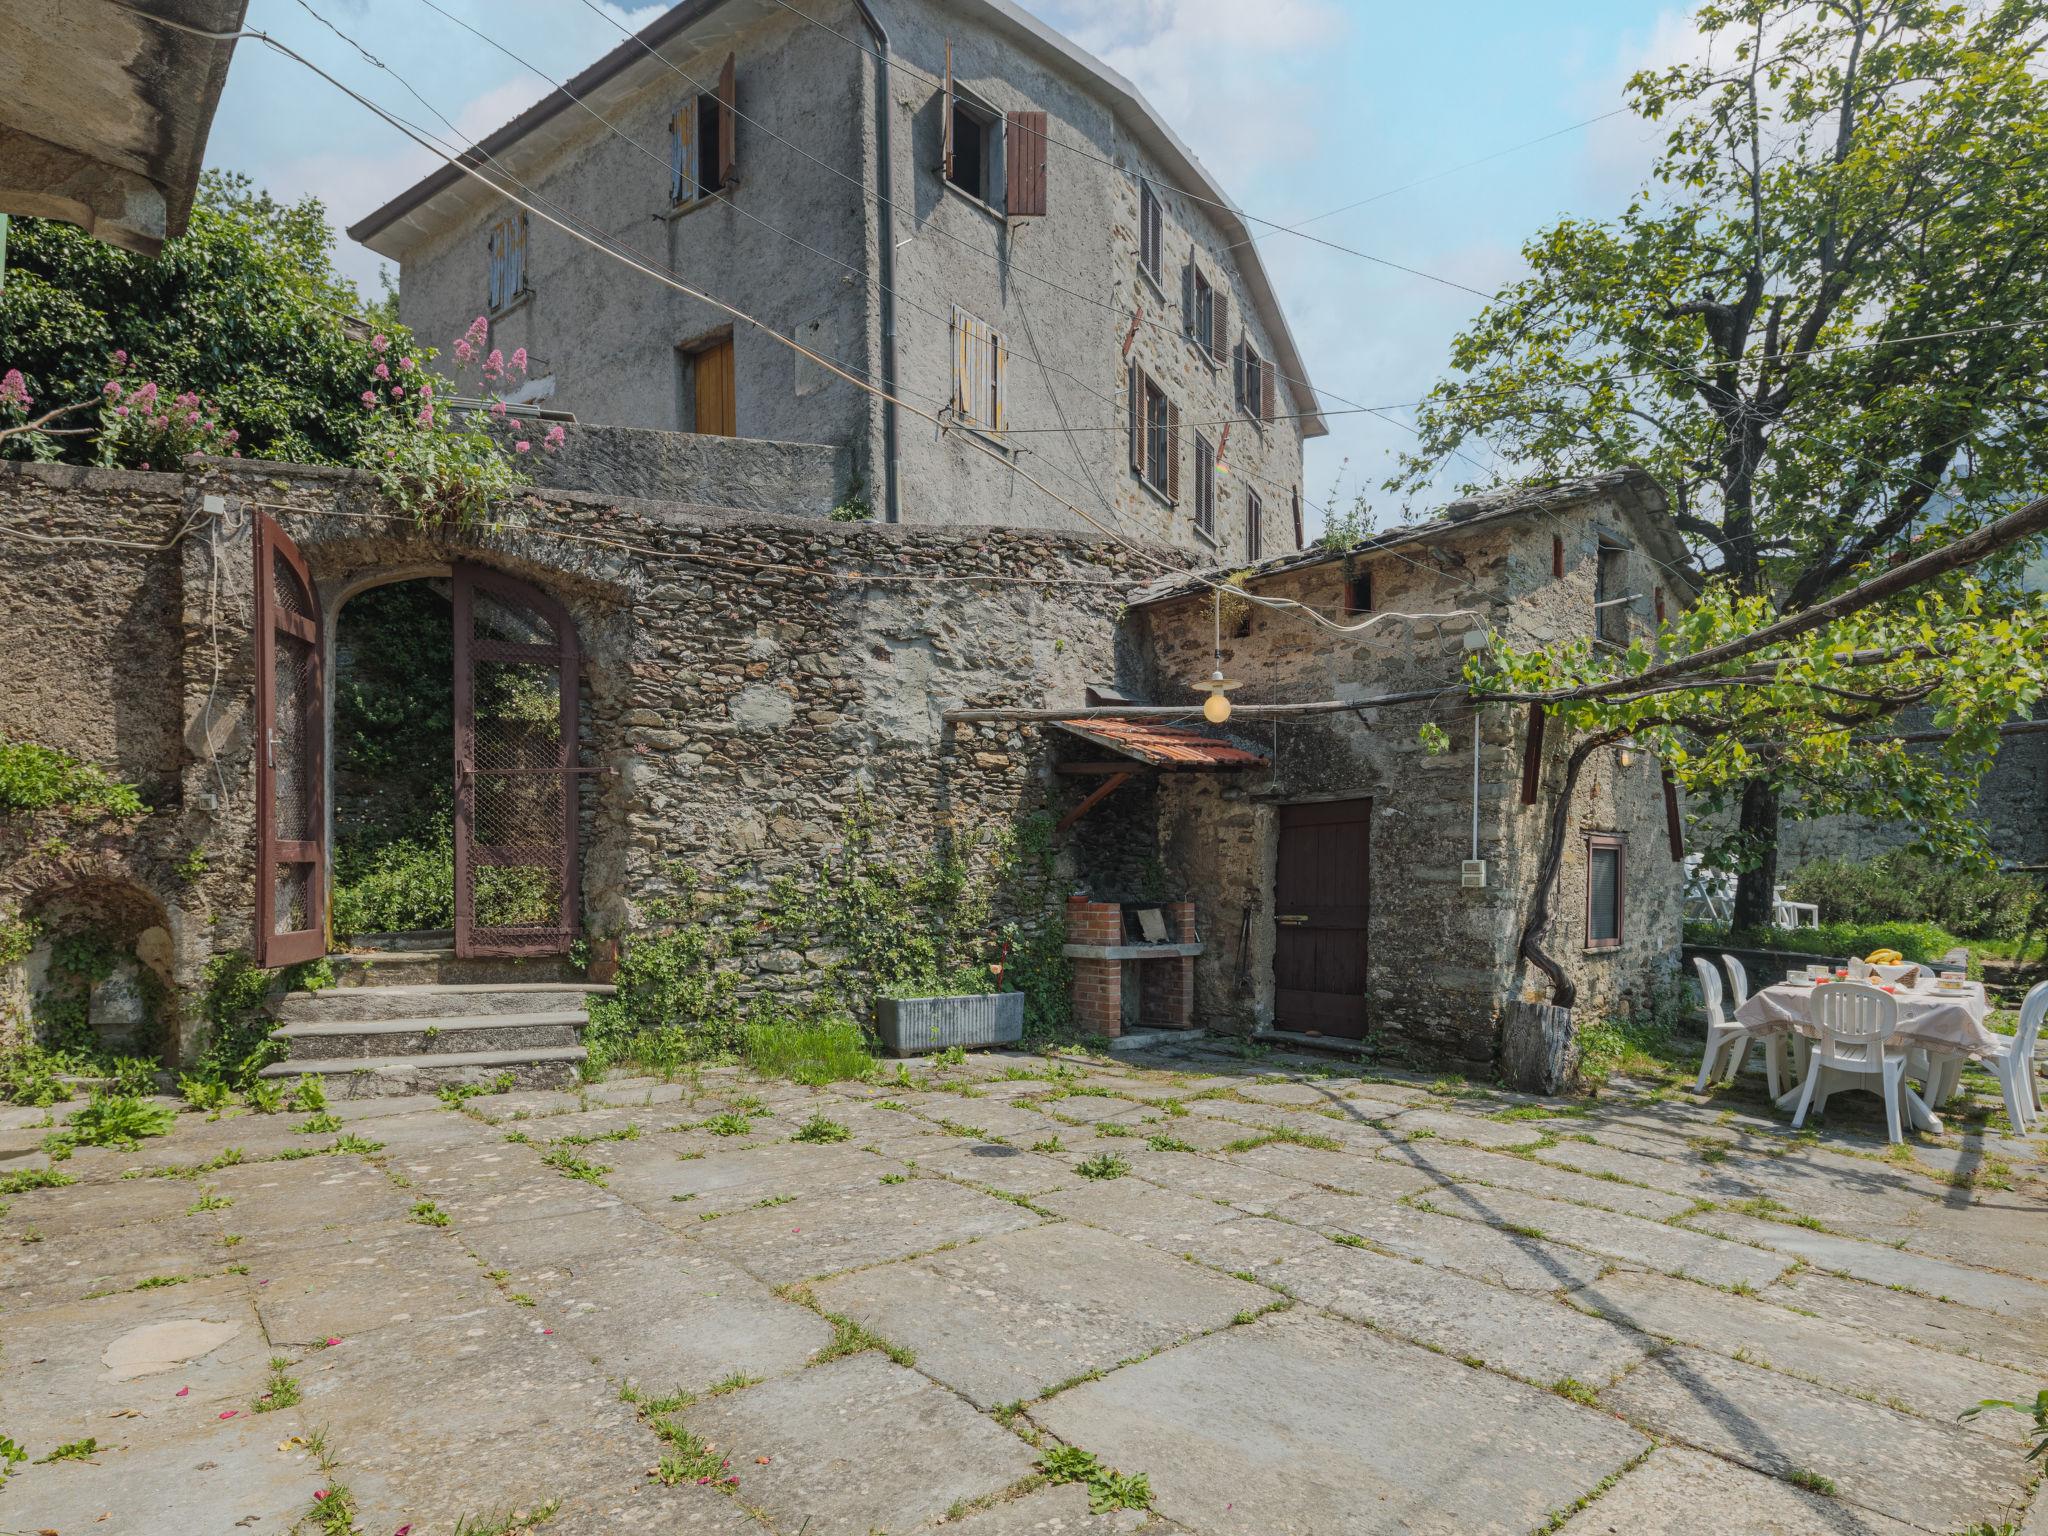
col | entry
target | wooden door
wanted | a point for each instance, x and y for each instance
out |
(717, 409)
(516, 885)
(1322, 897)
(291, 818)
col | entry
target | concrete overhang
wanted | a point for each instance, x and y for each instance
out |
(105, 109)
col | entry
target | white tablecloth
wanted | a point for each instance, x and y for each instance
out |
(1946, 1023)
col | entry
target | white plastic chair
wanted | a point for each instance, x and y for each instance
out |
(1724, 1033)
(1854, 1022)
(1738, 980)
(2014, 1065)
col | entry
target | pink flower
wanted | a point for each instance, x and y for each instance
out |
(113, 390)
(462, 351)
(398, 391)
(234, 436)
(332, 1342)
(495, 363)
(187, 399)
(14, 389)
(191, 418)
(426, 416)
(182, 1392)
(426, 391)
(232, 1411)
(497, 407)
(318, 1493)
(556, 436)
(479, 328)
(120, 410)
(382, 371)
(369, 397)
(405, 365)
(380, 342)
(160, 422)
(519, 358)
(120, 357)
(147, 393)
(523, 445)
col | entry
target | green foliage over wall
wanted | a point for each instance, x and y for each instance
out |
(1909, 887)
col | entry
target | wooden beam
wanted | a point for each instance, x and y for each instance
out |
(1121, 765)
(1096, 796)
(1673, 828)
(1532, 755)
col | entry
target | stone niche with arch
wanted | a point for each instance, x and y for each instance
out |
(100, 973)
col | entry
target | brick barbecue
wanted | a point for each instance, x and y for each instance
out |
(1124, 981)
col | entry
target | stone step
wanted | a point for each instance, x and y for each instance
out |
(433, 1001)
(412, 938)
(356, 1039)
(440, 965)
(367, 1077)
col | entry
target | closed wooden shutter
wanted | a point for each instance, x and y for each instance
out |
(1265, 391)
(728, 123)
(1219, 326)
(1172, 452)
(980, 362)
(1134, 389)
(946, 118)
(1024, 161)
(682, 129)
(1237, 375)
(1254, 530)
(1294, 505)
(1187, 297)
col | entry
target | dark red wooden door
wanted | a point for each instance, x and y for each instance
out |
(515, 767)
(291, 819)
(1322, 897)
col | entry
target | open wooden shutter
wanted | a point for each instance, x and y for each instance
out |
(1219, 324)
(515, 768)
(728, 124)
(1237, 375)
(946, 118)
(1187, 297)
(1265, 391)
(1134, 389)
(1172, 452)
(1002, 367)
(291, 825)
(682, 132)
(1024, 165)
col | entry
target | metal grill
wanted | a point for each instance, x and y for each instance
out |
(288, 900)
(291, 680)
(287, 593)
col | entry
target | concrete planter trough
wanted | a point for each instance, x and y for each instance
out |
(913, 1026)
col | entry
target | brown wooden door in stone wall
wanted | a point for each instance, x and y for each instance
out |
(291, 819)
(1321, 899)
(515, 768)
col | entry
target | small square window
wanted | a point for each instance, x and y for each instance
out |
(1358, 593)
(1606, 861)
(1611, 596)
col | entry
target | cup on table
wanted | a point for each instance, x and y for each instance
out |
(1816, 973)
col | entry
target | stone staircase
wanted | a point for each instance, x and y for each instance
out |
(409, 1017)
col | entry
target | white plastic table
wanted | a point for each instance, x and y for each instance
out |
(1947, 1025)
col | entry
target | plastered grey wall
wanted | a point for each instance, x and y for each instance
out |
(1442, 959)
(1061, 290)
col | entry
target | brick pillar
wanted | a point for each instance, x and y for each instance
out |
(1180, 921)
(1098, 984)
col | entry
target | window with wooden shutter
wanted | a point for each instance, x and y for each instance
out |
(1205, 486)
(1254, 526)
(1134, 387)
(682, 164)
(507, 254)
(703, 141)
(1172, 452)
(1266, 391)
(946, 118)
(1024, 166)
(1151, 230)
(1219, 324)
(1154, 423)
(728, 124)
(980, 362)
(1294, 506)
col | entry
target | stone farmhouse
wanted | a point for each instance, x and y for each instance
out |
(962, 209)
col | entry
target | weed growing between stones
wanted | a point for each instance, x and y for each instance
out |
(1812, 1482)
(116, 1120)
(1108, 1489)
(565, 1162)
(1574, 1390)
(281, 1391)
(428, 1214)
(819, 1130)
(730, 1122)
(1285, 1133)
(1104, 1165)
(1165, 1143)
(34, 1178)
(520, 1522)
(848, 1336)
(209, 1201)
(319, 1125)
(72, 1450)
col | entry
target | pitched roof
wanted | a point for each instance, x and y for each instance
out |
(380, 229)
(1633, 487)
(1163, 746)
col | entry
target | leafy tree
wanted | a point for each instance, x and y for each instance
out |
(246, 309)
(1820, 326)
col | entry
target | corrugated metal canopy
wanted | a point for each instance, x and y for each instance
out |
(1163, 746)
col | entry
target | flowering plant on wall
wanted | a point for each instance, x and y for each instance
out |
(143, 425)
(437, 460)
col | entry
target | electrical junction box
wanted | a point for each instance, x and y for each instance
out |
(1472, 874)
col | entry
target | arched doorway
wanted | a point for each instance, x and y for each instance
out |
(435, 791)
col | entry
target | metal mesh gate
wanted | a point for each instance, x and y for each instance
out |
(515, 768)
(290, 690)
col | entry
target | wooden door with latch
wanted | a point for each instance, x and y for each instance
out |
(1322, 899)
(291, 816)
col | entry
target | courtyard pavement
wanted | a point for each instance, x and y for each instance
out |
(1293, 1298)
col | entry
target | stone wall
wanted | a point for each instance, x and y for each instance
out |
(1442, 959)
(747, 677)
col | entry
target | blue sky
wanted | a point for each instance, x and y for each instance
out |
(1297, 106)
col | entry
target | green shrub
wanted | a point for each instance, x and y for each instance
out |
(1922, 943)
(1910, 887)
(404, 885)
(117, 1120)
(37, 778)
(238, 1043)
(815, 1045)
(673, 978)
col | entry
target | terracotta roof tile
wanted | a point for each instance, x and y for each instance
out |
(1166, 746)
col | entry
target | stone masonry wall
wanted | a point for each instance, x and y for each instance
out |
(1441, 958)
(747, 677)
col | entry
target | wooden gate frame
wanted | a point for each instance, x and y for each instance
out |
(274, 949)
(566, 656)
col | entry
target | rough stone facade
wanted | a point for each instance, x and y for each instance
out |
(797, 244)
(1442, 960)
(746, 677)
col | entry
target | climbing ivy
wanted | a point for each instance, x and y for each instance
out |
(37, 778)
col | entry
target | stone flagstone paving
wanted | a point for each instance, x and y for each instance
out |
(1295, 1298)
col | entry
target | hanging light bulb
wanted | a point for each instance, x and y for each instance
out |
(1216, 708)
